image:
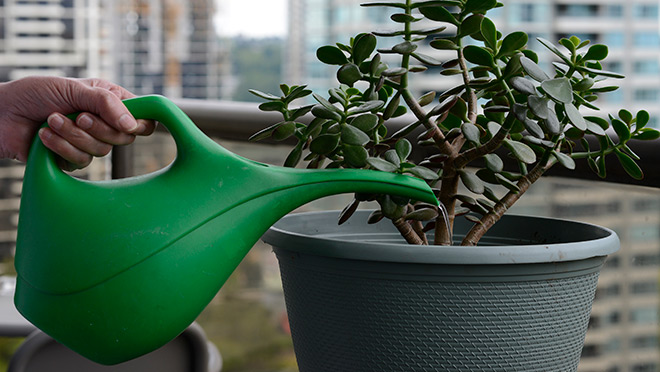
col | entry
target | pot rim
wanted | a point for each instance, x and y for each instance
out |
(300, 232)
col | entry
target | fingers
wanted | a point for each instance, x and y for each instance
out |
(106, 105)
(78, 142)
(101, 131)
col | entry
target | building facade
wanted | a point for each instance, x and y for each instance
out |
(630, 29)
(148, 46)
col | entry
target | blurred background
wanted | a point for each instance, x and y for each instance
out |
(217, 50)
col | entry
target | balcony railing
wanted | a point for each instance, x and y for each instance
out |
(237, 121)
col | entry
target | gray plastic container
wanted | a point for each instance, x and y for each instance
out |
(359, 299)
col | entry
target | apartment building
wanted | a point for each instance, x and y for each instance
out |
(149, 46)
(630, 29)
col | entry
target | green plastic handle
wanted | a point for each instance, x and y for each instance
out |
(115, 269)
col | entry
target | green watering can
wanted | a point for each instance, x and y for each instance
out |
(115, 269)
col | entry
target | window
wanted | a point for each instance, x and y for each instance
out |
(647, 94)
(644, 287)
(644, 315)
(614, 39)
(614, 11)
(645, 259)
(577, 10)
(646, 39)
(647, 67)
(528, 13)
(644, 342)
(645, 11)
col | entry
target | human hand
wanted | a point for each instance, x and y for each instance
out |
(103, 121)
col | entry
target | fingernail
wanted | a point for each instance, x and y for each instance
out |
(45, 133)
(55, 121)
(128, 123)
(84, 121)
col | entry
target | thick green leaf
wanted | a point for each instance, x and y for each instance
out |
(324, 144)
(647, 134)
(403, 18)
(523, 85)
(534, 128)
(439, 14)
(284, 130)
(502, 180)
(423, 214)
(349, 74)
(564, 160)
(487, 175)
(395, 71)
(365, 122)
(428, 60)
(356, 156)
(489, 32)
(596, 52)
(575, 117)
(642, 119)
(479, 6)
(471, 133)
(301, 111)
(264, 133)
(353, 136)
(366, 107)
(381, 164)
(478, 55)
(554, 50)
(594, 128)
(272, 106)
(494, 163)
(538, 106)
(470, 25)
(513, 42)
(392, 157)
(403, 149)
(626, 116)
(552, 124)
(405, 47)
(471, 181)
(568, 44)
(629, 165)
(594, 71)
(294, 157)
(263, 95)
(621, 129)
(320, 111)
(426, 98)
(364, 45)
(331, 55)
(533, 70)
(559, 89)
(604, 124)
(521, 151)
(443, 44)
(423, 173)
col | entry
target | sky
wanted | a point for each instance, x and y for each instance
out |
(251, 18)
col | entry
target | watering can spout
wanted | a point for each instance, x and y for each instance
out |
(115, 269)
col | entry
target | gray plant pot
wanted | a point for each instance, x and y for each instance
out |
(359, 299)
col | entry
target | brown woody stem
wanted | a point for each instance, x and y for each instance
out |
(487, 221)
(407, 231)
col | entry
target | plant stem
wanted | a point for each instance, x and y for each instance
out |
(407, 232)
(487, 221)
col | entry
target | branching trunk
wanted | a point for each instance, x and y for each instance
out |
(488, 220)
(407, 232)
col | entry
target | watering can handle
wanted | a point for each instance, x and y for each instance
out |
(189, 139)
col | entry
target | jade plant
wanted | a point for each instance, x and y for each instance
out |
(503, 109)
